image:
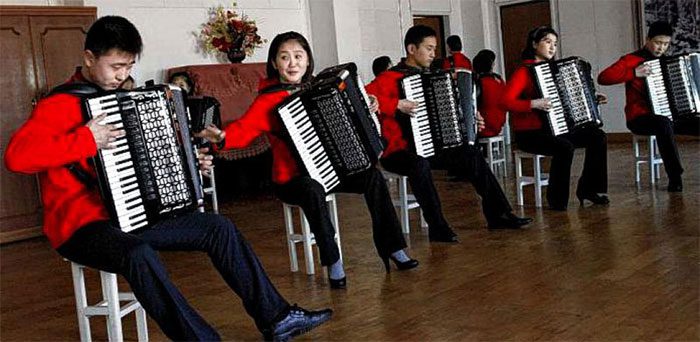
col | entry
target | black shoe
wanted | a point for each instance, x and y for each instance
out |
(338, 283)
(595, 198)
(508, 221)
(401, 266)
(675, 186)
(444, 235)
(297, 321)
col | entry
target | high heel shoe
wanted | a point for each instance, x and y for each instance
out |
(401, 266)
(595, 198)
(338, 283)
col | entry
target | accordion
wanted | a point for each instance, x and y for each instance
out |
(446, 113)
(152, 172)
(330, 126)
(567, 83)
(674, 85)
(204, 111)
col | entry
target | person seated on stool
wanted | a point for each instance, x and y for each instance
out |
(76, 220)
(640, 118)
(491, 88)
(182, 80)
(290, 63)
(456, 58)
(467, 160)
(532, 136)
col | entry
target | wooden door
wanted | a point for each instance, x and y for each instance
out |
(436, 23)
(39, 48)
(516, 21)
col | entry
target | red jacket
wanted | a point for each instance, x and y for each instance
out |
(459, 60)
(492, 89)
(262, 118)
(55, 135)
(386, 88)
(637, 103)
(519, 91)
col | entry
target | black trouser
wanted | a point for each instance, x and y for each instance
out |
(664, 130)
(594, 178)
(102, 246)
(311, 197)
(464, 161)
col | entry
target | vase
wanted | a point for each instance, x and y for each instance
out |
(235, 55)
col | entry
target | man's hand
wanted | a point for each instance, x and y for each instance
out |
(480, 122)
(206, 161)
(601, 98)
(373, 103)
(212, 134)
(541, 104)
(642, 71)
(407, 107)
(104, 134)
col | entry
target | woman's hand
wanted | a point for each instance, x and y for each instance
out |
(373, 103)
(206, 161)
(541, 104)
(480, 122)
(407, 107)
(212, 134)
(601, 98)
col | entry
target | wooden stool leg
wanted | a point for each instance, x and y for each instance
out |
(110, 293)
(289, 227)
(308, 250)
(652, 176)
(333, 208)
(518, 179)
(403, 197)
(141, 324)
(81, 302)
(538, 180)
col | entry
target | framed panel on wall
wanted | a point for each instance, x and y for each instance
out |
(683, 15)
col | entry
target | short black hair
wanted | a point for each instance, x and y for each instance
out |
(483, 61)
(454, 43)
(416, 34)
(380, 64)
(660, 28)
(533, 37)
(113, 32)
(277, 42)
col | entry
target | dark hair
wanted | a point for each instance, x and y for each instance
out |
(113, 32)
(380, 64)
(534, 37)
(483, 61)
(416, 34)
(454, 43)
(660, 28)
(184, 75)
(277, 42)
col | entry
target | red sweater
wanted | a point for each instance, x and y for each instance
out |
(635, 89)
(460, 61)
(519, 91)
(54, 136)
(262, 118)
(492, 89)
(386, 88)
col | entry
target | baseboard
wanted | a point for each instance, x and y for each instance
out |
(623, 137)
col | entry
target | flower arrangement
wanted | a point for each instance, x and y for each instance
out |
(228, 32)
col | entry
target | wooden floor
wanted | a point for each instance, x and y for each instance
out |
(629, 271)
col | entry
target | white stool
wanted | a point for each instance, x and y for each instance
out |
(211, 191)
(539, 179)
(495, 154)
(405, 202)
(109, 306)
(652, 157)
(307, 237)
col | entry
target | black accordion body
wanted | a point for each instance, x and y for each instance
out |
(446, 113)
(152, 173)
(330, 126)
(567, 83)
(674, 85)
(204, 111)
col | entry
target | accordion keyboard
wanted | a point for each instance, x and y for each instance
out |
(420, 123)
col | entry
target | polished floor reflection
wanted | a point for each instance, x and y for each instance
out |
(627, 271)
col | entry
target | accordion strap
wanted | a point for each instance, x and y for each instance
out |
(80, 90)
